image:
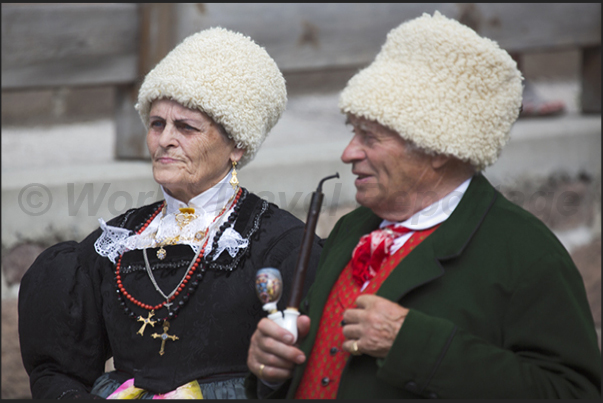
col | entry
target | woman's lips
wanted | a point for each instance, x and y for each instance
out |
(166, 160)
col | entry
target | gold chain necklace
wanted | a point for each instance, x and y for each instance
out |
(183, 218)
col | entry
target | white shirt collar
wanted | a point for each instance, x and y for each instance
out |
(436, 213)
(209, 202)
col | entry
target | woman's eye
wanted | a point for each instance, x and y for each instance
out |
(188, 128)
(156, 124)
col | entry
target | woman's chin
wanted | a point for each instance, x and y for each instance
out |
(166, 179)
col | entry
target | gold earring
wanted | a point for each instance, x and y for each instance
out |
(234, 182)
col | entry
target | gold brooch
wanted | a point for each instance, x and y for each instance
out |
(185, 216)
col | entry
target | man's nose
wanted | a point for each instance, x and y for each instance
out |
(353, 151)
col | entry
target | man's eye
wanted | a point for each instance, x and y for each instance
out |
(368, 137)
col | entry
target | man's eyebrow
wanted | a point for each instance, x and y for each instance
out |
(362, 125)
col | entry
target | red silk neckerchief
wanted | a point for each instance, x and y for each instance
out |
(372, 250)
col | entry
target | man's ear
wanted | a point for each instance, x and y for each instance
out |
(439, 160)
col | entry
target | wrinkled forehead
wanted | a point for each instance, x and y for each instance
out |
(164, 105)
(368, 125)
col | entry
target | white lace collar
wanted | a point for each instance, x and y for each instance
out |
(163, 228)
(209, 202)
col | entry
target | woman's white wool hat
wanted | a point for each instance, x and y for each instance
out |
(440, 85)
(226, 75)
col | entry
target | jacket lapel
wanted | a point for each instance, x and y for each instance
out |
(340, 254)
(428, 260)
(332, 263)
(423, 265)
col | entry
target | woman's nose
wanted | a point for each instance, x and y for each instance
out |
(167, 137)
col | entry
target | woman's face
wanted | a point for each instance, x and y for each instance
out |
(188, 150)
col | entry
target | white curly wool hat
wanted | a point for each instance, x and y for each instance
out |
(226, 75)
(440, 85)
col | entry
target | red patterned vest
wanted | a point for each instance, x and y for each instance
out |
(327, 359)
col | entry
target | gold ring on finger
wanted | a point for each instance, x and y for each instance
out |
(261, 369)
(355, 350)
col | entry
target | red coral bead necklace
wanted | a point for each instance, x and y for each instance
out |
(187, 276)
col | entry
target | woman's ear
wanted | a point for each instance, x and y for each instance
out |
(236, 154)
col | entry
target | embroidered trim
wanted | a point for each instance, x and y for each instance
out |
(160, 265)
(212, 255)
(243, 251)
(115, 240)
(127, 215)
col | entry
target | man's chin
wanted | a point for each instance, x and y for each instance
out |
(368, 199)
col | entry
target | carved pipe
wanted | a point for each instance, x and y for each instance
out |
(306, 248)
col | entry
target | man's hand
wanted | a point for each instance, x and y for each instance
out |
(272, 355)
(373, 325)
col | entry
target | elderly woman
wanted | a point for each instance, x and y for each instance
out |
(167, 289)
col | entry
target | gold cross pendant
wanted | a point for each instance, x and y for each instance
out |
(146, 321)
(164, 336)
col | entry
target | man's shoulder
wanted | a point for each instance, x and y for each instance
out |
(511, 224)
(514, 216)
(504, 215)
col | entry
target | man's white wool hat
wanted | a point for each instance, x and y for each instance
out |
(226, 75)
(440, 85)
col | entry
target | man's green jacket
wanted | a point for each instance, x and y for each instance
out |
(497, 310)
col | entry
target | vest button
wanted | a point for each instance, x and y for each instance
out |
(334, 350)
(411, 386)
(325, 381)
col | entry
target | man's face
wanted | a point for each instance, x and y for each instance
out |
(393, 179)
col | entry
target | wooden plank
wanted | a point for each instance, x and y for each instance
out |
(156, 40)
(68, 44)
(76, 44)
(157, 24)
(590, 97)
(303, 36)
(130, 136)
(535, 26)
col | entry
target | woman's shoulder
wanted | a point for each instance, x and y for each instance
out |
(135, 218)
(75, 253)
(272, 214)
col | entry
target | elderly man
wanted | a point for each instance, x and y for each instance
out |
(437, 286)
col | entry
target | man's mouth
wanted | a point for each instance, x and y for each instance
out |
(361, 177)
